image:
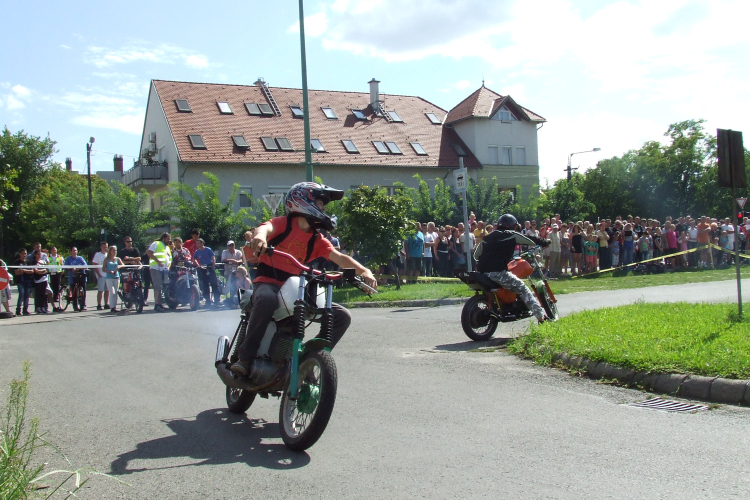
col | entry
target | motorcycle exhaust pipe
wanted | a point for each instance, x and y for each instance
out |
(222, 350)
(225, 374)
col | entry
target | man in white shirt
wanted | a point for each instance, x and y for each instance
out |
(101, 283)
(430, 240)
(462, 241)
(232, 258)
(729, 228)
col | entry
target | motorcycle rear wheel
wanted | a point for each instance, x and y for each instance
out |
(195, 297)
(476, 320)
(238, 401)
(549, 306)
(303, 421)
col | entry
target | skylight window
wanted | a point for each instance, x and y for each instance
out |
(252, 108)
(297, 111)
(183, 106)
(269, 144)
(393, 148)
(240, 142)
(433, 118)
(350, 147)
(417, 147)
(394, 116)
(330, 113)
(506, 115)
(359, 115)
(380, 146)
(284, 144)
(458, 149)
(265, 109)
(197, 141)
(224, 108)
(317, 146)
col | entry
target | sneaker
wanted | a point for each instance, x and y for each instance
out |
(241, 367)
(106, 306)
(84, 308)
(98, 308)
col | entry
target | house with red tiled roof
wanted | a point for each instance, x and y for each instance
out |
(253, 135)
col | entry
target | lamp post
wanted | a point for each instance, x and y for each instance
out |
(305, 110)
(89, 145)
(570, 156)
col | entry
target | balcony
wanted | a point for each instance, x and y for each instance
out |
(146, 175)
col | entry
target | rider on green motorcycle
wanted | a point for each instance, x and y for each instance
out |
(496, 251)
(297, 234)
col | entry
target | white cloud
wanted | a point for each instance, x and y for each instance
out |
(16, 98)
(11, 102)
(516, 91)
(103, 57)
(315, 25)
(104, 111)
(196, 61)
(66, 47)
(21, 91)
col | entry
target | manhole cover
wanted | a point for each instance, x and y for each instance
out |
(667, 405)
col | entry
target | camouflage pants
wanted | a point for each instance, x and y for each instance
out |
(514, 284)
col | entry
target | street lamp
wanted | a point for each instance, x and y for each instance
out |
(89, 145)
(570, 169)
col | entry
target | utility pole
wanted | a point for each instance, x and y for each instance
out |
(89, 145)
(570, 156)
(305, 107)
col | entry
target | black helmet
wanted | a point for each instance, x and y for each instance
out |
(507, 221)
(300, 201)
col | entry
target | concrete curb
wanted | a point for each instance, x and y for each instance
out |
(711, 389)
(409, 303)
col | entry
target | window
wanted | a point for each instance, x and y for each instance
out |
(317, 146)
(393, 148)
(183, 106)
(224, 108)
(284, 144)
(521, 156)
(506, 115)
(433, 118)
(417, 147)
(297, 111)
(246, 197)
(380, 146)
(240, 142)
(507, 155)
(394, 116)
(269, 144)
(511, 191)
(359, 115)
(458, 149)
(330, 114)
(265, 109)
(350, 147)
(197, 141)
(252, 108)
(493, 157)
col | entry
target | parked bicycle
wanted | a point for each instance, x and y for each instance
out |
(131, 290)
(72, 292)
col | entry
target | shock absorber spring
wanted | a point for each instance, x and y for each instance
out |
(239, 340)
(299, 319)
(326, 326)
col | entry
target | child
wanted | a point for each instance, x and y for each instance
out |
(243, 282)
(591, 247)
(644, 246)
(615, 254)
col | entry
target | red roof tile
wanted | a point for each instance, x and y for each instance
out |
(483, 103)
(217, 129)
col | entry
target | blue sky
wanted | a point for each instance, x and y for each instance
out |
(604, 74)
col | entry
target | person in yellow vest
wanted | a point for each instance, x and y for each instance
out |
(160, 258)
(55, 276)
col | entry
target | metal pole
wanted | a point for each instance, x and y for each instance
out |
(305, 107)
(91, 198)
(467, 239)
(570, 171)
(737, 254)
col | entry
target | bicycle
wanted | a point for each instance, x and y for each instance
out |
(71, 292)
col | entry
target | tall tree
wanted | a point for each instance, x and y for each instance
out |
(567, 199)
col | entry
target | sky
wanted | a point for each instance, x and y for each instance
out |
(605, 74)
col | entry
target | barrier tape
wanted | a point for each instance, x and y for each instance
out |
(418, 278)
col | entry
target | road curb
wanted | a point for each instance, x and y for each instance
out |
(711, 389)
(408, 303)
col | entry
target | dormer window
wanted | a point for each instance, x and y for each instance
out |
(359, 115)
(297, 111)
(506, 115)
(183, 106)
(197, 141)
(394, 116)
(224, 107)
(330, 113)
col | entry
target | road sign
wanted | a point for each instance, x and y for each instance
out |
(741, 202)
(273, 200)
(460, 179)
(4, 278)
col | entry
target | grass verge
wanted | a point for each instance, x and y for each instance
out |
(702, 339)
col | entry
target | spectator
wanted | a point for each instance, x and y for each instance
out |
(430, 239)
(5, 295)
(576, 250)
(602, 238)
(146, 275)
(565, 256)
(247, 254)
(591, 247)
(644, 245)
(555, 249)
(180, 254)
(160, 259)
(206, 259)
(693, 257)
(24, 282)
(232, 258)
(442, 254)
(77, 276)
(670, 236)
(243, 282)
(30, 257)
(480, 232)
(454, 247)
(414, 246)
(40, 283)
(101, 281)
(628, 244)
(683, 241)
(55, 276)
(111, 269)
(192, 243)
(130, 255)
(467, 242)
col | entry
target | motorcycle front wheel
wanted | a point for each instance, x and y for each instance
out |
(549, 305)
(238, 401)
(303, 421)
(476, 320)
(195, 297)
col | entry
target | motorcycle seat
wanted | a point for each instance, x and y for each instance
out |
(483, 280)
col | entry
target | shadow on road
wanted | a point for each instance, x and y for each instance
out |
(471, 345)
(215, 437)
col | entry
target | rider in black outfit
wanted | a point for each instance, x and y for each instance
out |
(496, 251)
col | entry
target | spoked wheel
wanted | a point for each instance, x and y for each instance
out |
(477, 320)
(139, 300)
(81, 298)
(63, 299)
(238, 401)
(195, 297)
(548, 303)
(303, 421)
(171, 301)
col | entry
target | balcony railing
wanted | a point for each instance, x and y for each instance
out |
(152, 173)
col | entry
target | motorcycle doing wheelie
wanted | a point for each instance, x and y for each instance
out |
(183, 287)
(131, 289)
(492, 303)
(302, 373)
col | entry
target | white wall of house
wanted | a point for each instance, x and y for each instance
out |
(156, 121)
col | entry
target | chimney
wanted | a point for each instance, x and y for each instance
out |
(374, 94)
(69, 164)
(118, 163)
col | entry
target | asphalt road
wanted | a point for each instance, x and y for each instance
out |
(418, 414)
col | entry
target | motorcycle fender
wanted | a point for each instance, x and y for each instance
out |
(316, 344)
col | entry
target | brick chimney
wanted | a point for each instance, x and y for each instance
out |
(374, 94)
(118, 163)
(69, 164)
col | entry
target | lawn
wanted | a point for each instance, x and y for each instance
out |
(703, 339)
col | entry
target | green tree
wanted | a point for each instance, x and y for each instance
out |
(422, 207)
(485, 199)
(201, 208)
(529, 207)
(445, 205)
(567, 199)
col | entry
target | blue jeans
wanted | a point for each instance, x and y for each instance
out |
(24, 292)
(627, 254)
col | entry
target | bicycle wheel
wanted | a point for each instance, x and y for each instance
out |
(81, 298)
(63, 299)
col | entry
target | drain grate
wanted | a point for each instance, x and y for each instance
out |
(667, 405)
